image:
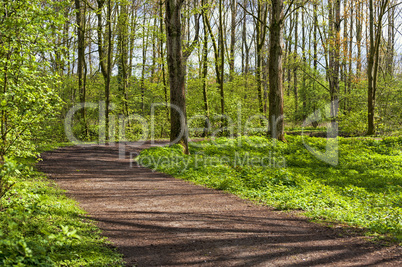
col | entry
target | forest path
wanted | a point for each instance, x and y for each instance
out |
(156, 220)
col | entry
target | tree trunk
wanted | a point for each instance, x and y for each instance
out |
(123, 55)
(222, 57)
(295, 89)
(204, 78)
(334, 57)
(109, 66)
(375, 33)
(359, 37)
(275, 72)
(246, 56)
(80, 18)
(163, 59)
(144, 61)
(232, 39)
(315, 41)
(345, 58)
(218, 59)
(304, 58)
(391, 43)
(260, 41)
(178, 127)
(105, 61)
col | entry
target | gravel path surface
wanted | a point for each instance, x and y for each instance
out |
(156, 220)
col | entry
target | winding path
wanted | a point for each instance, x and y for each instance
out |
(156, 220)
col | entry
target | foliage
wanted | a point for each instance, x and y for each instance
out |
(363, 190)
(40, 226)
(27, 95)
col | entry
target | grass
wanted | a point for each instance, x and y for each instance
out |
(363, 190)
(40, 226)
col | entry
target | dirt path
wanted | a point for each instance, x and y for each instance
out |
(156, 220)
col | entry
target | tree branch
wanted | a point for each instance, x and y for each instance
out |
(251, 14)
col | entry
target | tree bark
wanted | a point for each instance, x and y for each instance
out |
(232, 39)
(359, 37)
(80, 19)
(123, 55)
(391, 42)
(105, 61)
(222, 57)
(375, 34)
(178, 128)
(144, 61)
(334, 56)
(275, 72)
(161, 41)
(204, 78)
(261, 28)
(295, 82)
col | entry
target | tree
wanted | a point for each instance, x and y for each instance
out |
(296, 42)
(221, 63)
(373, 58)
(80, 18)
(105, 61)
(218, 54)
(233, 8)
(205, 72)
(176, 61)
(27, 98)
(123, 53)
(334, 9)
(261, 21)
(275, 71)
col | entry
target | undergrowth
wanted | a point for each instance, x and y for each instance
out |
(40, 226)
(363, 190)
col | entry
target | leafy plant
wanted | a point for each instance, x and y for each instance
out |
(40, 226)
(363, 190)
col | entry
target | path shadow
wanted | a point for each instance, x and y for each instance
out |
(156, 220)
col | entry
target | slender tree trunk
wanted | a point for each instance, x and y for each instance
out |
(154, 33)
(105, 61)
(289, 59)
(260, 41)
(232, 38)
(303, 96)
(349, 81)
(218, 59)
(123, 54)
(334, 56)
(161, 41)
(375, 33)
(133, 28)
(370, 69)
(391, 42)
(359, 37)
(275, 72)
(80, 18)
(245, 50)
(315, 41)
(144, 61)
(204, 78)
(222, 57)
(245, 45)
(295, 64)
(109, 66)
(345, 58)
(66, 41)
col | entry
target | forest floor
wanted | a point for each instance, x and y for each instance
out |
(156, 220)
